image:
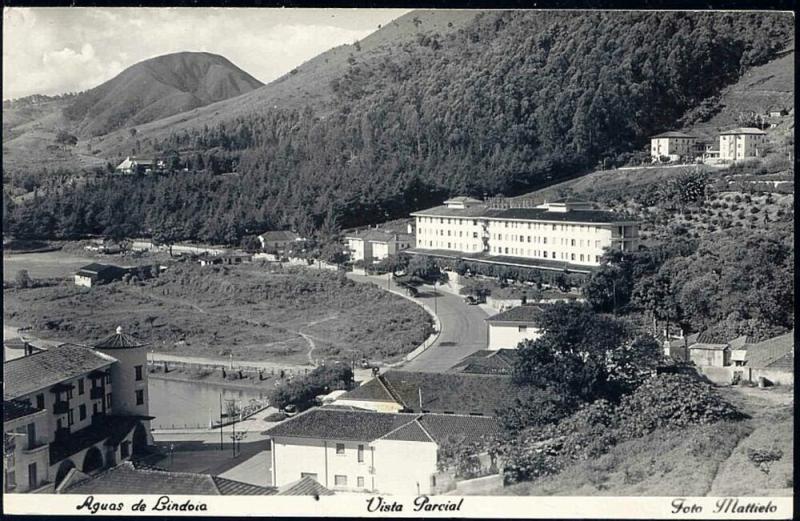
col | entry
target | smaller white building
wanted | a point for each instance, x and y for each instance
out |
(374, 245)
(673, 145)
(742, 143)
(508, 328)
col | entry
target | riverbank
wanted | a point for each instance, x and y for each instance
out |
(214, 380)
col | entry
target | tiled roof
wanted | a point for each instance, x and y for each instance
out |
(96, 268)
(673, 134)
(777, 352)
(528, 314)
(112, 428)
(126, 478)
(327, 424)
(119, 340)
(710, 347)
(527, 214)
(742, 130)
(338, 424)
(306, 486)
(229, 487)
(279, 235)
(469, 428)
(487, 361)
(13, 409)
(411, 431)
(31, 373)
(440, 392)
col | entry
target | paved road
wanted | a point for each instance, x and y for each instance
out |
(463, 328)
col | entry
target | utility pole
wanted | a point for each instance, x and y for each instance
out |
(435, 308)
(220, 422)
(233, 435)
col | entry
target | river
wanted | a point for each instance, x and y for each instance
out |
(192, 404)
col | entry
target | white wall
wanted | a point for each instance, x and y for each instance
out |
(401, 465)
(123, 382)
(508, 336)
(294, 456)
(371, 405)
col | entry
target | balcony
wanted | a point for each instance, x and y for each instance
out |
(96, 393)
(34, 446)
(60, 407)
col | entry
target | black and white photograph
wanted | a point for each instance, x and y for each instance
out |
(378, 262)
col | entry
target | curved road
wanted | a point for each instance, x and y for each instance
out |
(463, 327)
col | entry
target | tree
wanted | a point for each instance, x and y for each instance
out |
(23, 280)
(426, 269)
(66, 139)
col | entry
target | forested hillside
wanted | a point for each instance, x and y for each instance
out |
(500, 105)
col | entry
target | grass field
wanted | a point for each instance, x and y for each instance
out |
(250, 312)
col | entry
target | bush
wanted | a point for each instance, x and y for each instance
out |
(301, 391)
(671, 400)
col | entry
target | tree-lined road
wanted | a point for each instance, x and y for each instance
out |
(463, 327)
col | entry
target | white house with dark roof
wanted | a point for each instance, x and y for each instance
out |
(370, 452)
(74, 407)
(278, 240)
(558, 235)
(673, 145)
(508, 328)
(373, 245)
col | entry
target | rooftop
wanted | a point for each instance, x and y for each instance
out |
(510, 260)
(119, 340)
(35, 372)
(527, 314)
(743, 130)
(674, 134)
(336, 424)
(500, 361)
(439, 392)
(775, 353)
(377, 235)
(527, 214)
(13, 409)
(96, 268)
(279, 235)
(128, 479)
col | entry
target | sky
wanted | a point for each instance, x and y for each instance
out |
(56, 50)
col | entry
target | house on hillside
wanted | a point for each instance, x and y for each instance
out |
(508, 328)
(742, 143)
(373, 245)
(278, 240)
(673, 145)
(367, 451)
(499, 361)
(132, 478)
(71, 407)
(132, 165)
(448, 393)
(96, 273)
(776, 112)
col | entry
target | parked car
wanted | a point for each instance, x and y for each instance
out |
(290, 410)
(472, 300)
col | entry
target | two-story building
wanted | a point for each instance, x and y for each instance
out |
(741, 143)
(367, 451)
(373, 245)
(564, 234)
(672, 145)
(278, 240)
(74, 407)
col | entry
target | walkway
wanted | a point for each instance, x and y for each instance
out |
(463, 327)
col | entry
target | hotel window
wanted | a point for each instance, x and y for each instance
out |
(581, 257)
(140, 397)
(70, 417)
(80, 385)
(340, 480)
(572, 256)
(448, 233)
(529, 238)
(40, 401)
(312, 475)
(460, 233)
(572, 242)
(522, 238)
(360, 481)
(554, 255)
(506, 224)
(596, 244)
(554, 227)
(597, 258)
(82, 412)
(108, 378)
(474, 235)
(108, 400)
(544, 240)
(340, 448)
(138, 372)
(361, 454)
(506, 250)
(544, 254)
(69, 393)
(474, 223)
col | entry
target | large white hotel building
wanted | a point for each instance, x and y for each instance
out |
(565, 234)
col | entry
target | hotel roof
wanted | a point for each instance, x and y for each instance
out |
(35, 372)
(335, 424)
(526, 214)
(673, 134)
(743, 130)
(13, 409)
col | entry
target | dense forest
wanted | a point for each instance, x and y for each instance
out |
(501, 106)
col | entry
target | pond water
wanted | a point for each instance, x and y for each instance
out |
(192, 404)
